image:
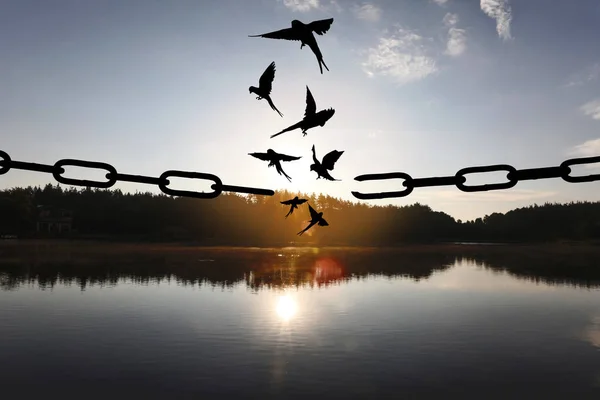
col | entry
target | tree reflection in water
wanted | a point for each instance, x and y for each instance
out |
(106, 265)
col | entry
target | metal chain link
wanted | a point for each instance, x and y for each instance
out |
(513, 175)
(57, 170)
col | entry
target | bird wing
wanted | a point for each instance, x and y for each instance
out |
(284, 157)
(325, 115)
(331, 158)
(321, 26)
(322, 222)
(313, 214)
(266, 79)
(311, 106)
(286, 34)
(315, 155)
(301, 201)
(288, 202)
(325, 174)
(261, 156)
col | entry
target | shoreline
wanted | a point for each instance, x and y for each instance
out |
(450, 247)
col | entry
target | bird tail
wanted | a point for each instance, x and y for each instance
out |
(273, 106)
(290, 128)
(282, 172)
(289, 212)
(324, 65)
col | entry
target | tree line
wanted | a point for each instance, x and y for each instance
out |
(248, 220)
(90, 263)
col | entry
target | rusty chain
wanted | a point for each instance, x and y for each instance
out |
(513, 176)
(57, 170)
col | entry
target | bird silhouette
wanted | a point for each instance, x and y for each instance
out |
(312, 118)
(304, 33)
(265, 85)
(315, 218)
(322, 168)
(294, 203)
(275, 159)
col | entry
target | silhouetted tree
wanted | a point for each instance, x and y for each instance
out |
(233, 219)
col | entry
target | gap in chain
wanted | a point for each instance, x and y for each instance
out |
(584, 169)
(191, 185)
(90, 174)
(388, 185)
(486, 178)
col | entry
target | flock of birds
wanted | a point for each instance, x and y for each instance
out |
(305, 34)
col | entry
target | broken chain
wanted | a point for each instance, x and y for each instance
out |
(513, 176)
(112, 177)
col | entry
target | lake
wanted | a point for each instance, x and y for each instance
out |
(126, 321)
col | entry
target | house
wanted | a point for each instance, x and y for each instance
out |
(54, 220)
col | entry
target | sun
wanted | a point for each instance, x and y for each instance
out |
(286, 308)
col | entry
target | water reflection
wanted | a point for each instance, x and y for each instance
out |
(387, 322)
(273, 269)
(593, 332)
(286, 307)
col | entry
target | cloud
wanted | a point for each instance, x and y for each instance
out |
(501, 11)
(307, 5)
(592, 109)
(368, 12)
(586, 149)
(440, 2)
(457, 42)
(334, 5)
(591, 148)
(457, 38)
(588, 75)
(301, 5)
(401, 56)
(450, 19)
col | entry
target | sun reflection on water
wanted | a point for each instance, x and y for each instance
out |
(286, 307)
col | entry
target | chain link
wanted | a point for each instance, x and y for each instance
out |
(566, 165)
(513, 176)
(489, 186)
(57, 170)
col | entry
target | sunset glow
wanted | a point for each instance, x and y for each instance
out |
(286, 307)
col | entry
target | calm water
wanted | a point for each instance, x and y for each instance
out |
(296, 323)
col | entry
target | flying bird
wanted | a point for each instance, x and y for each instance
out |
(265, 85)
(275, 159)
(304, 33)
(312, 118)
(294, 203)
(316, 218)
(322, 168)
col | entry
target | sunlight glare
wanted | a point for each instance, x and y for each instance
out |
(286, 307)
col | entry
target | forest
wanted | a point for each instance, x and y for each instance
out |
(248, 220)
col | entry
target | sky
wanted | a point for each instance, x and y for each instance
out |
(425, 87)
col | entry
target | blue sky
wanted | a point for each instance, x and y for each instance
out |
(420, 86)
